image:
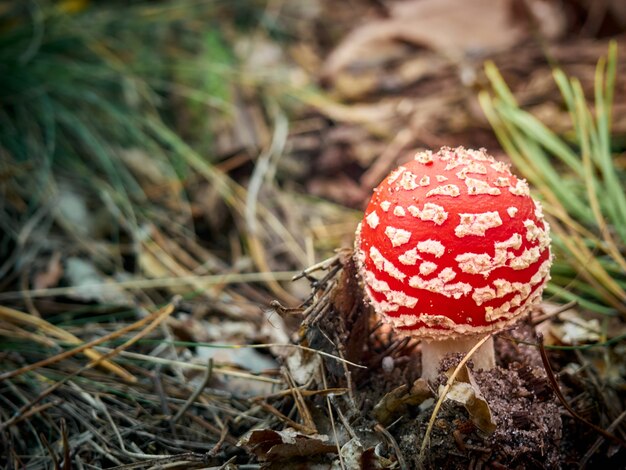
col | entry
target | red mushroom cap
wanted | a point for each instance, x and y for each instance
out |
(452, 244)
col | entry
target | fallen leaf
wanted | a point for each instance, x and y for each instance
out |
(89, 284)
(465, 391)
(304, 366)
(269, 445)
(574, 329)
(454, 28)
(400, 399)
(352, 453)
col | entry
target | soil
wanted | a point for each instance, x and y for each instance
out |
(533, 429)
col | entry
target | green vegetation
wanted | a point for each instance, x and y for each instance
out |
(103, 112)
(579, 182)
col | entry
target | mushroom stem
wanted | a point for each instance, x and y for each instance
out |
(433, 351)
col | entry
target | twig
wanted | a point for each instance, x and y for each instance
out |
(213, 429)
(241, 346)
(108, 454)
(349, 382)
(287, 420)
(158, 386)
(218, 445)
(217, 369)
(571, 411)
(53, 456)
(401, 462)
(120, 440)
(186, 457)
(227, 464)
(33, 411)
(546, 316)
(596, 445)
(67, 463)
(342, 417)
(303, 409)
(304, 348)
(332, 419)
(303, 392)
(321, 266)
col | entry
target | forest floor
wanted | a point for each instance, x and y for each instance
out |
(229, 331)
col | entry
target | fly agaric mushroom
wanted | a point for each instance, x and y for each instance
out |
(451, 248)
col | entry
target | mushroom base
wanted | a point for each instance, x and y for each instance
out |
(433, 351)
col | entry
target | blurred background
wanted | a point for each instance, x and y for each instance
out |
(161, 140)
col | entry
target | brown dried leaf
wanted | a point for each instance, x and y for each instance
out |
(396, 402)
(465, 391)
(574, 329)
(452, 27)
(269, 445)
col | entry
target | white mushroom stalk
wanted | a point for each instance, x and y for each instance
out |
(452, 247)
